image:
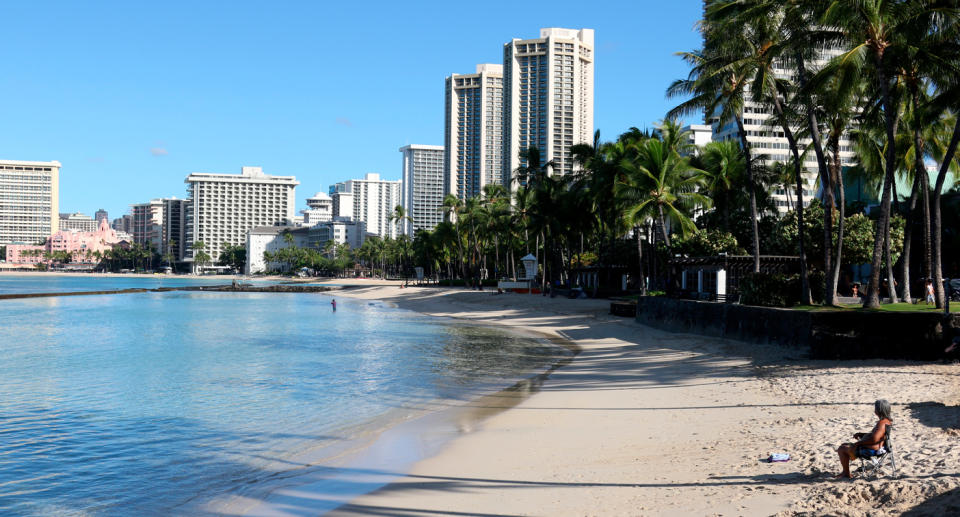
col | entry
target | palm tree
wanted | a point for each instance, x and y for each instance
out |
(662, 185)
(453, 208)
(398, 217)
(877, 33)
(532, 169)
(754, 45)
(716, 87)
(496, 208)
(723, 170)
(200, 256)
(947, 81)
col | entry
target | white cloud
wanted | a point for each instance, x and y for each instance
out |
(159, 151)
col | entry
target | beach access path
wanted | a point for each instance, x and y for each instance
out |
(646, 422)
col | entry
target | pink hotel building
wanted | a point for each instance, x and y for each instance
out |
(76, 242)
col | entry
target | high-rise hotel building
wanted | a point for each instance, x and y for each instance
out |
(548, 97)
(224, 207)
(148, 220)
(370, 201)
(473, 131)
(422, 187)
(29, 201)
(174, 227)
(769, 143)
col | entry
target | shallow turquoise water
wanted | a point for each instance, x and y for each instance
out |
(138, 404)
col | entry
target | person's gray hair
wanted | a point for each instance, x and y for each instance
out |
(882, 409)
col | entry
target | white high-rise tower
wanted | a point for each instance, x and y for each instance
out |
(224, 207)
(548, 97)
(473, 131)
(770, 145)
(421, 189)
(370, 201)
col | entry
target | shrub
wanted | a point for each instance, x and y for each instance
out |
(818, 285)
(774, 290)
(768, 290)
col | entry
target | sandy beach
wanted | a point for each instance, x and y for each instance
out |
(645, 422)
(640, 422)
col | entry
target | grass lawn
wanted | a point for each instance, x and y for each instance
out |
(887, 307)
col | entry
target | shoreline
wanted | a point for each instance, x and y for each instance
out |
(655, 423)
(387, 446)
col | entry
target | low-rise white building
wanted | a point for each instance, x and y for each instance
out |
(319, 209)
(700, 134)
(272, 238)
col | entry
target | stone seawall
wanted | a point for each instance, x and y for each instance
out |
(825, 334)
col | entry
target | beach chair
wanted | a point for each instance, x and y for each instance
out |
(883, 464)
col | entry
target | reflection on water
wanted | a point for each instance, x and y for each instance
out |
(143, 402)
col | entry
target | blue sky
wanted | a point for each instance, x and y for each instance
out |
(131, 97)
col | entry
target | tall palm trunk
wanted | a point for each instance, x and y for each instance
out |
(813, 126)
(908, 240)
(830, 266)
(805, 297)
(890, 122)
(663, 227)
(923, 185)
(643, 280)
(834, 278)
(927, 231)
(891, 281)
(751, 188)
(935, 226)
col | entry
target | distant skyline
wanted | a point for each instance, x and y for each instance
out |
(132, 98)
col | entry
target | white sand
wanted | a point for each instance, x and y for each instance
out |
(645, 422)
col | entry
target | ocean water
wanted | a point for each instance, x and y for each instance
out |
(17, 284)
(139, 404)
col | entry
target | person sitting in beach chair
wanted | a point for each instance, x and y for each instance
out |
(873, 447)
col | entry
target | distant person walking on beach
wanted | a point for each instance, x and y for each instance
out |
(333, 303)
(929, 292)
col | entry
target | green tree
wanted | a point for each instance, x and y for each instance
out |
(708, 243)
(717, 85)
(664, 185)
(200, 256)
(399, 217)
(233, 256)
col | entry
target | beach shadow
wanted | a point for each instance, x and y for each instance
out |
(947, 503)
(358, 480)
(935, 414)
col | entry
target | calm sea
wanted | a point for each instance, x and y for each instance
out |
(138, 404)
(13, 284)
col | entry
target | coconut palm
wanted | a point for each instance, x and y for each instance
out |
(723, 171)
(662, 185)
(399, 217)
(755, 46)
(877, 34)
(717, 88)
